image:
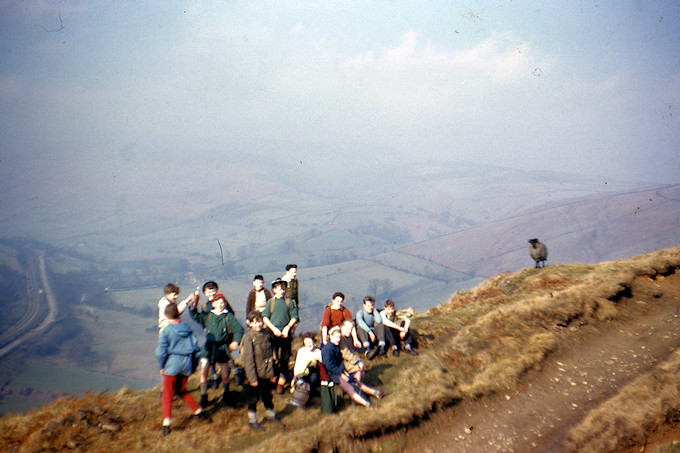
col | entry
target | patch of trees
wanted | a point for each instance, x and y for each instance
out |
(380, 288)
(385, 233)
(62, 331)
(68, 337)
(46, 350)
(331, 258)
(69, 287)
(79, 287)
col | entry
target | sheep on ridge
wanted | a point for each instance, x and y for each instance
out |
(538, 251)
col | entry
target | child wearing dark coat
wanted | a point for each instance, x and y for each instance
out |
(176, 347)
(332, 360)
(257, 355)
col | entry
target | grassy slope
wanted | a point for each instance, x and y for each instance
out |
(480, 341)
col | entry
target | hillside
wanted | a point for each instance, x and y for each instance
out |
(518, 343)
(584, 230)
(301, 212)
(606, 387)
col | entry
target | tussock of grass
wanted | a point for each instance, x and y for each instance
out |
(639, 408)
(478, 342)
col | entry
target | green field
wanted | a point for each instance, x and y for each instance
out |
(21, 405)
(414, 283)
(49, 378)
(147, 297)
(124, 343)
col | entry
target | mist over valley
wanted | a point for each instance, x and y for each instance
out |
(413, 234)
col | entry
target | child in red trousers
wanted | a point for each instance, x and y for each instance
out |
(177, 345)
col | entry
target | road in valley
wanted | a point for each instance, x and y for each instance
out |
(30, 325)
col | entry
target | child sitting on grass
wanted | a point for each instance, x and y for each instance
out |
(334, 314)
(396, 330)
(176, 347)
(352, 361)
(305, 370)
(370, 329)
(257, 354)
(333, 363)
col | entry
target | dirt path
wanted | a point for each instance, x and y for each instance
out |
(596, 362)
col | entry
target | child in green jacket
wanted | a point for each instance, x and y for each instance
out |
(223, 334)
(280, 316)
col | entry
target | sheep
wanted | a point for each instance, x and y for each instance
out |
(538, 251)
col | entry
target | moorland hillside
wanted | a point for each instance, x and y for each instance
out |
(491, 343)
(583, 229)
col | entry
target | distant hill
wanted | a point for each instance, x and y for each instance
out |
(584, 229)
(313, 211)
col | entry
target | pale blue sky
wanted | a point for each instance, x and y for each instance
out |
(92, 88)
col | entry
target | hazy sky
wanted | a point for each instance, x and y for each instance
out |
(90, 89)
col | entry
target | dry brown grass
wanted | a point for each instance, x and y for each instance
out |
(638, 409)
(480, 341)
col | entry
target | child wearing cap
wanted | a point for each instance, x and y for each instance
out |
(210, 289)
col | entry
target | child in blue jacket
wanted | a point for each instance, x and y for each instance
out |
(177, 345)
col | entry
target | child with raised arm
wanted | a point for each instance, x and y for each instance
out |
(258, 360)
(223, 334)
(171, 292)
(176, 347)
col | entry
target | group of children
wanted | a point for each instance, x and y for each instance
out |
(265, 349)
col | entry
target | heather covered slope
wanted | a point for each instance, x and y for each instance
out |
(480, 343)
